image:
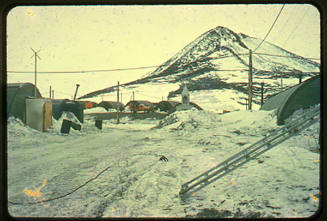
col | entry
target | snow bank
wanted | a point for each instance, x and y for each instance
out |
(283, 182)
(16, 128)
(249, 122)
(95, 110)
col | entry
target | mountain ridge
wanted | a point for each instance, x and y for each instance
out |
(202, 58)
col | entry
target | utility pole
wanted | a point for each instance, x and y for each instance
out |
(50, 92)
(35, 55)
(117, 106)
(250, 80)
(133, 96)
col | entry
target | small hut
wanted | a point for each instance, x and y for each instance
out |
(167, 106)
(186, 104)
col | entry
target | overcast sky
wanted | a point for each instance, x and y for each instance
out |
(105, 37)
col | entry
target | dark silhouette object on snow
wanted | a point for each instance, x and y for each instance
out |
(98, 124)
(303, 96)
(111, 105)
(67, 124)
(16, 95)
(163, 158)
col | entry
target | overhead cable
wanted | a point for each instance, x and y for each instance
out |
(87, 71)
(280, 11)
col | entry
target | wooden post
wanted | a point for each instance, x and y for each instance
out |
(133, 96)
(77, 86)
(300, 77)
(246, 103)
(50, 92)
(117, 103)
(281, 83)
(250, 80)
(261, 94)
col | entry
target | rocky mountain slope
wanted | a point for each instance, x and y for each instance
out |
(219, 59)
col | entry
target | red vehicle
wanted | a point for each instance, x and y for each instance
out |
(136, 106)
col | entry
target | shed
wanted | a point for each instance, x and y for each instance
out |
(168, 106)
(16, 96)
(303, 96)
(111, 105)
(38, 113)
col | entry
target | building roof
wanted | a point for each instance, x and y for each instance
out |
(303, 96)
(148, 103)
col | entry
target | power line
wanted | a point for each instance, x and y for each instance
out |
(87, 71)
(295, 27)
(136, 68)
(280, 11)
(285, 56)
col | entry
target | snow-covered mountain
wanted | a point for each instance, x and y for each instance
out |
(218, 62)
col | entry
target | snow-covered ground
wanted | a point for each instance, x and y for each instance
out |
(283, 182)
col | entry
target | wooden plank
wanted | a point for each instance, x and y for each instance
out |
(112, 115)
(47, 116)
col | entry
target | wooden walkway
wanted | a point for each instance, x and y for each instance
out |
(113, 115)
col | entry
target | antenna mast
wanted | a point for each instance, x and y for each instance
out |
(35, 55)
